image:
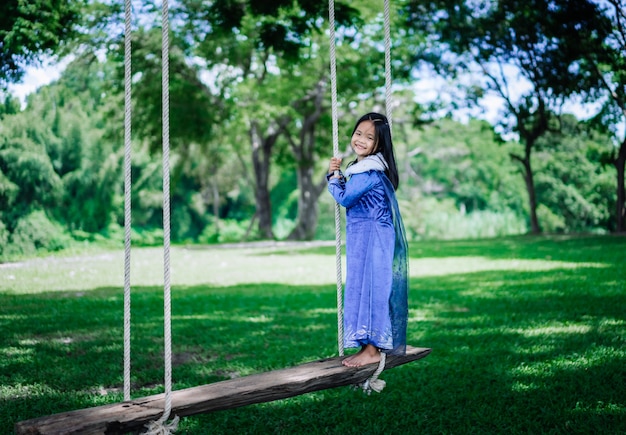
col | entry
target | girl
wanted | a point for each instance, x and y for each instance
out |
(375, 299)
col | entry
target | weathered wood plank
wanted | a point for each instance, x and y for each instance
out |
(263, 387)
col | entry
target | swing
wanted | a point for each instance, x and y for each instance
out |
(154, 411)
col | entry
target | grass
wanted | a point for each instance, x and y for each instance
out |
(528, 336)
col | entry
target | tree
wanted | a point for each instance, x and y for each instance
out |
(606, 65)
(31, 29)
(509, 42)
(573, 187)
(61, 163)
(467, 163)
(253, 47)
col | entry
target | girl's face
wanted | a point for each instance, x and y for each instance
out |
(364, 139)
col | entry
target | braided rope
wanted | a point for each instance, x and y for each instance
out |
(166, 212)
(127, 193)
(160, 426)
(373, 383)
(388, 100)
(333, 85)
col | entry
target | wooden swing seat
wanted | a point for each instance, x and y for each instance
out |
(123, 417)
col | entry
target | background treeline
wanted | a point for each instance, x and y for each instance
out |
(250, 118)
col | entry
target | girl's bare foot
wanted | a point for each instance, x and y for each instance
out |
(367, 355)
(346, 361)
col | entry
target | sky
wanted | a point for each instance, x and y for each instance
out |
(36, 77)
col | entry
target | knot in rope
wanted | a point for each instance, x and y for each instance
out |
(161, 427)
(373, 383)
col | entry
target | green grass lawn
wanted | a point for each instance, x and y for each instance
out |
(528, 336)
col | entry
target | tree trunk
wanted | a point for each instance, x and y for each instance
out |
(532, 199)
(530, 186)
(620, 211)
(216, 203)
(261, 152)
(262, 145)
(308, 211)
(304, 151)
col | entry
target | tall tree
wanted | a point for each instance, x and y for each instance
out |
(522, 51)
(573, 187)
(606, 65)
(31, 29)
(246, 45)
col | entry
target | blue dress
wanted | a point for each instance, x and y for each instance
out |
(376, 292)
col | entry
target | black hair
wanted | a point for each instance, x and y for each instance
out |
(384, 145)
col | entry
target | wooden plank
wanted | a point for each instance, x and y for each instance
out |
(263, 387)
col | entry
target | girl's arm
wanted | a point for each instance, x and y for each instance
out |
(348, 193)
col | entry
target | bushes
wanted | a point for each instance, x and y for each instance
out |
(34, 233)
(230, 231)
(475, 225)
(428, 218)
(432, 219)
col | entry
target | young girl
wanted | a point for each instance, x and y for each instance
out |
(375, 300)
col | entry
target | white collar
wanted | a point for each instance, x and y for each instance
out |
(373, 162)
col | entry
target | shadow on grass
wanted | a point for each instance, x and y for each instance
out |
(513, 351)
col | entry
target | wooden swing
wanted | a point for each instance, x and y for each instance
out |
(154, 411)
(132, 415)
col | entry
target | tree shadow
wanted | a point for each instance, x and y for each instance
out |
(513, 351)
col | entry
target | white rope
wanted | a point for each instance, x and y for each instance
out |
(373, 383)
(388, 100)
(160, 427)
(127, 194)
(333, 85)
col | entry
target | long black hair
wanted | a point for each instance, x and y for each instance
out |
(384, 145)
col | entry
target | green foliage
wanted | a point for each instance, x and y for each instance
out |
(465, 163)
(30, 29)
(27, 166)
(239, 78)
(147, 237)
(4, 240)
(8, 192)
(33, 233)
(225, 231)
(10, 106)
(572, 184)
(282, 27)
(430, 218)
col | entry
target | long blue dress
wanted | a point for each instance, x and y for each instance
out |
(376, 292)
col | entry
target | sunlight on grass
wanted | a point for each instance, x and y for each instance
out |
(9, 353)
(552, 330)
(528, 335)
(18, 391)
(600, 408)
(226, 267)
(452, 265)
(595, 356)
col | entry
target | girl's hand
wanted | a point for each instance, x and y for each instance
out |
(335, 165)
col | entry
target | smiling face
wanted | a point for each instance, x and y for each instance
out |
(363, 140)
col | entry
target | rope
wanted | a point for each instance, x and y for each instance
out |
(127, 194)
(160, 426)
(388, 99)
(333, 85)
(373, 383)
